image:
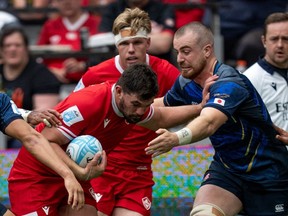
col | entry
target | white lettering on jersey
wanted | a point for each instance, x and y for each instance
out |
(72, 115)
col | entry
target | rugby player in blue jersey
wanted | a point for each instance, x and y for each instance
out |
(249, 170)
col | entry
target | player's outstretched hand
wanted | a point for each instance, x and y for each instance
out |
(76, 196)
(50, 118)
(96, 166)
(282, 136)
(163, 143)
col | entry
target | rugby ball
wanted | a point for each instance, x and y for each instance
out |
(83, 148)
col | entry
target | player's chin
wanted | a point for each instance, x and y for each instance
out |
(133, 119)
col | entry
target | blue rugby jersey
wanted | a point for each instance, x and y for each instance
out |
(8, 111)
(246, 143)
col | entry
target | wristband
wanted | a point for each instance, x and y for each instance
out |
(24, 113)
(184, 135)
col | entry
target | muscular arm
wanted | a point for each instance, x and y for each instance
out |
(92, 170)
(201, 127)
(167, 117)
(39, 147)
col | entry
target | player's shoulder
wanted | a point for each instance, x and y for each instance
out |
(161, 65)
(107, 64)
(4, 98)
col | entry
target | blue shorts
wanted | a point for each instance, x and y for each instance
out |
(258, 199)
(3, 209)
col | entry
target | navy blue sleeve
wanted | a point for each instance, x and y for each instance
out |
(227, 96)
(8, 112)
(183, 92)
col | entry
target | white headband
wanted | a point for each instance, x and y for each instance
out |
(126, 34)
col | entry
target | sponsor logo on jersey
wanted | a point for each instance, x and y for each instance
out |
(96, 196)
(146, 203)
(106, 122)
(72, 115)
(46, 209)
(279, 208)
(274, 86)
(219, 101)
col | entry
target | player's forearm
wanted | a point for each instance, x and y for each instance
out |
(173, 116)
(203, 126)
(40, 148)
(77, 170)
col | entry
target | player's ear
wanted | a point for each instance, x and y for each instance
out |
(207, 50)
(148, 42)
(263, 39)
(118, 90)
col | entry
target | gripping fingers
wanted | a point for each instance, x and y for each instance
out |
(76, 200)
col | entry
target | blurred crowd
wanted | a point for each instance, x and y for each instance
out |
(36, 83)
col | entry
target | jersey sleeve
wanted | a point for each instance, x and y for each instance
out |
(8, 112)
(183, 92)
(80, 109)
(174, 97)
(227, 96)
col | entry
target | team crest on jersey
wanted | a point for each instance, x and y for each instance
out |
(72, 115)
(146, 203)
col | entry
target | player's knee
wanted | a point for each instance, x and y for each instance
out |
(207, 209)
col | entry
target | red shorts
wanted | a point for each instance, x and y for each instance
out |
(130, 189)
(40, 194)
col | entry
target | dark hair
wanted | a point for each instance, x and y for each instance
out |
(275, 18)
(139, 79)
(5, 32)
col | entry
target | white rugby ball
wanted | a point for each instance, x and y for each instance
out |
(83, 148)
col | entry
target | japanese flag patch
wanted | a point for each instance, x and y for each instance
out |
(219, 101)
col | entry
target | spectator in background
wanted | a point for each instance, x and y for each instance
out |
(65, 30)
(29, 84)
(31, 17)
(162, 18)
(99, 2)
(269, 74)
(241, 23)
(185, 15)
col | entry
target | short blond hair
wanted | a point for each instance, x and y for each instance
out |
(135, 18)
